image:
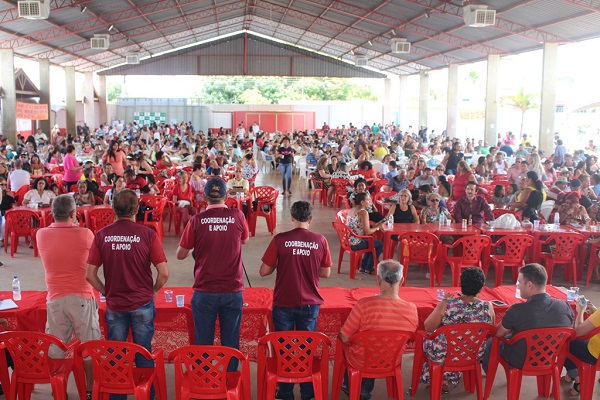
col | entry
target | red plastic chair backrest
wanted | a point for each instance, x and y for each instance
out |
(341, 216)
(545, 347)
(231, 202)
(169, 184)
(263, 192)
(378, 184)
(501, 211)
(20, 194)
(205, 367)
(514, 246)
(29, 351)
(113, 362)
(158, 206)
(295, 351)
(340, 186)
(101, 217)
(472, 247)
(382, 349)
(419, 246)
(382, 195)
(20, 221)
(343, 234)
(317, 184)
(565, 245)
(465, 342)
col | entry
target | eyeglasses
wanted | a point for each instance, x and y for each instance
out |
(3, 184)
(435, 200)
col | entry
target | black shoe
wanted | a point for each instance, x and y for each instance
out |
(88, 395)
(287, 396)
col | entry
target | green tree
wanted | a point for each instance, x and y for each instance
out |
(113, 91)
(253, 96)
(521, 101)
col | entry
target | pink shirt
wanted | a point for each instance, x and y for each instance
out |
(68, 163)
(65, 268)
(116, 162)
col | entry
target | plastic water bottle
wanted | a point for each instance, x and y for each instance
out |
(556, 221)
(442, 219)
(16, 287)
(390, 222)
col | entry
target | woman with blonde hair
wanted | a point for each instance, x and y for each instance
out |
(462, 177)
(535, 164)
(322, 174)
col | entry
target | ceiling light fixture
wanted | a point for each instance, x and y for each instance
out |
(370, 43)
(83, 8)
(393, 32)
(110, 28)
(352, 52)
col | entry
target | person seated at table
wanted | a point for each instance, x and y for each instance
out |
(366, 169)
(54, 189)
(472, 206)
(421, 201)
(83, 197)
(249, 167)
(134, 182)
(453, 309)
(3, 171)
(434, 209)
(163, 161)
(313, 157)
(383, 312)
(360, 186)
(570, 211)
(118, 185)
(358, 221)
(139, 164)
(322, 174)
(108, 176)
(481, 168)
(443, 186)
(342, 173)
(39, 194)
(183, 197)
(89, 177)
(403, 211)
(499, 199)
(426, 178)
(532, 209)
(36, 166)
(531, 183)
(397, 183)
(462, 176)
(238, 183)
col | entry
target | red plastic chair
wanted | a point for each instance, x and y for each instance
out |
(563, 249)
(58, 179)
(32, 365)
(383, 352)
(293, 359)
(344, 233)
(546, 352)
(156, 210)
(20, 194)
(318, 189)
(593, 260)
(472, 248)
(19, 224)
(340, 216)
(340, 190)
(114, 370)
(377, 185)
(420, 248)
(265, 198)
(464, 342)
(587, 372)
(380, 196)
(201, 373)
(252, 180)
(514, 247)
(99, 218)
(231, 202)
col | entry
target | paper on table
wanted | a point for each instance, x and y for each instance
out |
(7, 304)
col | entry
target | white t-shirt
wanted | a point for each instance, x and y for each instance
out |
(18, 178)
(34, 196)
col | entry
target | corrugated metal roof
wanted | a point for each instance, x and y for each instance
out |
(332, 27)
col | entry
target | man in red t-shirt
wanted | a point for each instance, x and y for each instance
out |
(301, 257)
(126, 250)
(216, 235)
(136, 182)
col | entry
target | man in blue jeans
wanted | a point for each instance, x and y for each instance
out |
(126, 249)
(216, 235)
(300, 257)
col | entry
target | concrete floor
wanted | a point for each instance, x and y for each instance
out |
(31, 274)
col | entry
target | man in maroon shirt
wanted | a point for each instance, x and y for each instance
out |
(216, 235)
(472, 206)
(301, 257)
(126, 250)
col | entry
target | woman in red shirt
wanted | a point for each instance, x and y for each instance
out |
(462, 177)
(183, 196)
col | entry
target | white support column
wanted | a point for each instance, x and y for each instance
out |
(8, 96)
(88, 104)
(71, 100)
(548, 98)
(491, 100)
(102, 112)
(452, 105)
(423, 99)
(388, 101)
(44, 65)
(403, 121)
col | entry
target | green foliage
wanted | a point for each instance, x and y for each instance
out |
(270, 90)
(521, 101)
(113, 91)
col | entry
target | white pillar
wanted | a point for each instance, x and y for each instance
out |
(491, 100)
(423, 99)
(403, 120)
(452, 101)
(88, 105)
(548, 98)
(102, 112)
(71, 100)
(44, 65)
(9, 96)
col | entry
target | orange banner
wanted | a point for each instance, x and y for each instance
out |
(32, 111)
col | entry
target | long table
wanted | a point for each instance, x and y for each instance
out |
(174, 325)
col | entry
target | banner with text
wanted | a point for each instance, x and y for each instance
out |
(32, 111)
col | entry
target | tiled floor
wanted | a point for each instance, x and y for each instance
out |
(31, 274)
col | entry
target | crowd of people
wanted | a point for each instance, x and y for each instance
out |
(430, 175)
